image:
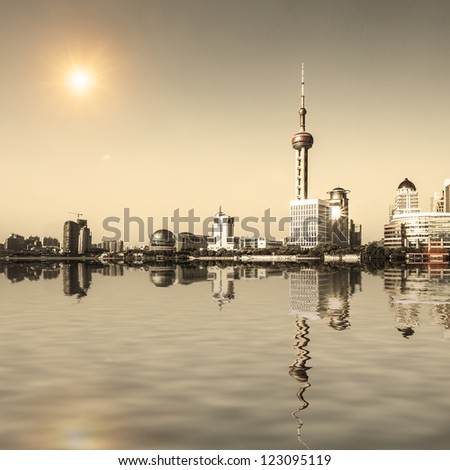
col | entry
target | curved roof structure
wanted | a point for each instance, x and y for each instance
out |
(406, 184)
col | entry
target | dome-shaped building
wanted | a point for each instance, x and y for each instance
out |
(162, 240)
(407, 185)
(407, 198)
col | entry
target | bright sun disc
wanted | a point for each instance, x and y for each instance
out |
(80, 81)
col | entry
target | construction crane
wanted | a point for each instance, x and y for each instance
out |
(76, 213)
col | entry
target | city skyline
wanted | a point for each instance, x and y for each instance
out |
(169, 115)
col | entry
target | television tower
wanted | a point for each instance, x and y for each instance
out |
(302, 142)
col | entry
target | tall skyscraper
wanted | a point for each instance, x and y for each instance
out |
(339, 221)
(437, 202)
(70, 237)
(222, 235)
(447, 195)
(76, 237)
(309, 222)
(407, 198)
(84, 240)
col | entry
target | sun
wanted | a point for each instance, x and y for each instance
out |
(80, 80)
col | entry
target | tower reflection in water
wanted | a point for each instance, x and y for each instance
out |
(316, 295)
(414, 287)
(299, 370)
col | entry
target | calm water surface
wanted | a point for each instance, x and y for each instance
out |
(196, 357)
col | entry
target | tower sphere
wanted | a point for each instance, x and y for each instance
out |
(302, 140)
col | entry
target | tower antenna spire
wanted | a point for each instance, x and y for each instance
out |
(302, 110)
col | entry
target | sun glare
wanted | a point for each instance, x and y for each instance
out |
(80, 81)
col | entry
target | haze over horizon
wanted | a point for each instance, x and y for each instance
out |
(193, 104)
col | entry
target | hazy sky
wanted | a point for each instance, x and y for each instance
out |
(196, 103)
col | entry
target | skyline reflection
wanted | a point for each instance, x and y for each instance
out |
(412, 288)
(317, 293)
(336, 333)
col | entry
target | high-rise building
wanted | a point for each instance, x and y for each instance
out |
(339, 221)
(437, 202)
(33, 243)
(50, 242)
(84, 240)
(76, 237)
(15, 242)
(70, 237)
(309, 222)
(409, 227)
(355, 234)
(407, 198)
(447, 195)
(222, 233)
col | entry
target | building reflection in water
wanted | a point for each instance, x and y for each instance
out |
(18, 272)
(162, 276)
(77, 278)
(317, 294)
(113, 269)
(441, 316)
(222, 283)
(77, 275)
(222, 278)
(411, 288)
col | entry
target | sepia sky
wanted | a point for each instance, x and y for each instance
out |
(195, 103)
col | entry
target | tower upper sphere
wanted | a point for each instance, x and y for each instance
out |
(302, 139)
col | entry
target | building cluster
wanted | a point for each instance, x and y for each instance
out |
(317, 221)
(409, 227)
(221, 238)
(313, 221)
(16, 243)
